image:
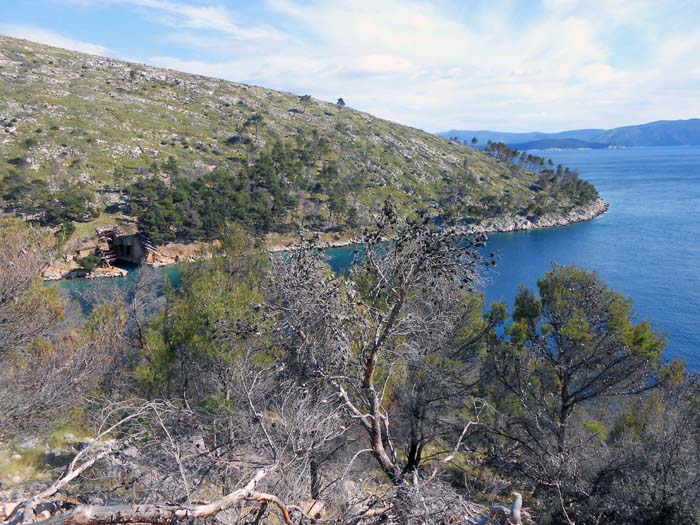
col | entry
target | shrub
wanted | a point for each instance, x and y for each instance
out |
(89, 263)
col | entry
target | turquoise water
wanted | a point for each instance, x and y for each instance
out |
(647, 245)
(78, 285)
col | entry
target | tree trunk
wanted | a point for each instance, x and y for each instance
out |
(314, 468)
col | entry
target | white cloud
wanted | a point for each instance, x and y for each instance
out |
(383, 64)
(44, 36)
(415, 63)
(446, 64)
(484, 69)
(190, 14)
(211, 17)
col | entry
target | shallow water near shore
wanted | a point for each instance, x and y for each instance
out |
(647, 245)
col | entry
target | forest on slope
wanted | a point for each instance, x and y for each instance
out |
(93, 139)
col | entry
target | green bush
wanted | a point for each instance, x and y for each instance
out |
(89, 263)
(74, 204)
(63, 234)
(200, 208)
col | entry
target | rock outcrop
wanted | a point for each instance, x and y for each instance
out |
(509, 223)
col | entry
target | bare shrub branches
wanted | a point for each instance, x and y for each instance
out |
(395, 341)
(131, 437)
(27, 310)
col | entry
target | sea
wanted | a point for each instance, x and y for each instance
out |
(647, 245)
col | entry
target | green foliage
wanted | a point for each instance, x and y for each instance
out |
(71, 204)
(305, 99)
(170, 166)
(527, 305)
(30, 143)
(18, 189)
(337, 204)
(351, 218)
(89, 262)
(585, 319)
(643, 341)
(63, 234)
(596, 428)
(498, 313)
(259, 196)
(569, 352)
(184, 347)
(561, 184)
(200, 209)
(157, 373)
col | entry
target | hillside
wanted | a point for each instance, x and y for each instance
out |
(86, 139)
(660, 133)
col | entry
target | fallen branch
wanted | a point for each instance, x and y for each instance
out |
(167, 514)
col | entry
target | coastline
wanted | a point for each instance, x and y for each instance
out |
(178, 253)
(504, 224)
(510, 224)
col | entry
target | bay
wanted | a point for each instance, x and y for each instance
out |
(647, 245)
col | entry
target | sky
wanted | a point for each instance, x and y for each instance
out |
(507, 65)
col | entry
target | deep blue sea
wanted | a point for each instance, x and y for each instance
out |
(647, 245)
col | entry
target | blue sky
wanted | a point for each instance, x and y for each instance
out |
(510, 65)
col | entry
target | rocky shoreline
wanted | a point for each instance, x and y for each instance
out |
(500, 225)
(59, 273)
(339, 242)
(511, 224)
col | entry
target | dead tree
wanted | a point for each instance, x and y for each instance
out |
(403, 301)
(162, 514)
(148, 431)
(27, 310)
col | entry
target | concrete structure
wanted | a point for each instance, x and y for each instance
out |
(130, 248)
(115, 245)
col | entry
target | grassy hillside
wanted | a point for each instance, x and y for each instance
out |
(92, 135)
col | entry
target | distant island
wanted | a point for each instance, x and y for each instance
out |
(659, 133)
(560, 144)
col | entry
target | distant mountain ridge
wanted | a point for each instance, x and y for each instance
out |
(559, 144)
(659, 133)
